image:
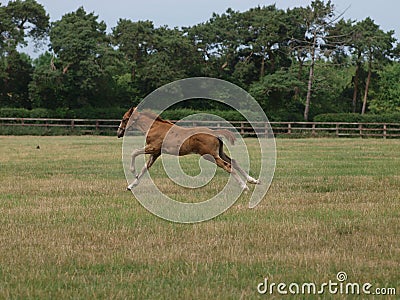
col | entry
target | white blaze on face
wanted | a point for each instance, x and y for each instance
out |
(121, 130)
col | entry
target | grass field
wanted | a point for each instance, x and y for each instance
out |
(68, 228)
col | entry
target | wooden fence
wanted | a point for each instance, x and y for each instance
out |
(301, 129)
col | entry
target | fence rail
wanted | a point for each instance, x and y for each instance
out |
(337, 129)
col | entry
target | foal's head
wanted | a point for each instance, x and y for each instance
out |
(125, 122)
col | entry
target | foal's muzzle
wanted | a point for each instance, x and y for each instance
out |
(120, 132)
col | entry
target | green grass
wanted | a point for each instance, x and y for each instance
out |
(68, 228)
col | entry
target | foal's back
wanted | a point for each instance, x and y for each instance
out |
(177, 140)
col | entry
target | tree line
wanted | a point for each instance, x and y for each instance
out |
(297, 63)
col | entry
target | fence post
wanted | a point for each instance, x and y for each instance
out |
(266, 129)
(360, 128)
(337, 129)
(289, 128)
(72, 124)
(97, 124)
(384, 131)
(313, 129)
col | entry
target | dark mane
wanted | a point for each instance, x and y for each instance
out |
(154, 116)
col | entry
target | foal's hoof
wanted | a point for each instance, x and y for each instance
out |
(132, 185)
(253, 180)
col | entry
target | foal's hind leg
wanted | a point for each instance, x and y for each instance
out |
(243, 172)
(236, 166)
(228, 167)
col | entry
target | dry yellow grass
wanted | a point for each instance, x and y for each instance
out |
(70, 230)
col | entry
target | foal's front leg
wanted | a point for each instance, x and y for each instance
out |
(136, 153)
(147, 166)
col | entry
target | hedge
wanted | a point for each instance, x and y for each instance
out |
(14, 113)
(357, 118)
(178, 114)
(63, 113)
(109, 113)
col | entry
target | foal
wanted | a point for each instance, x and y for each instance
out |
(164, 137)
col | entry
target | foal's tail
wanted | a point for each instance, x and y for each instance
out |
(227, 134)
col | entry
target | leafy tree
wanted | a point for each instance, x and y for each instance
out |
(19, 21)
(387, 98)
(46, 89)
(297, 62)
(347, 31)
(245, 73)
(268, 32)
(224, 46)
(83, 50)
(369, 46)
(296, 44)
(240, 47)
(76, 37)
(174, 57)
(135, 40)
(226, 38)
(210, 48)
(330, 82)
(155, 56)
(14, 86)
(275, 94)
(318, 20)
(373, 45)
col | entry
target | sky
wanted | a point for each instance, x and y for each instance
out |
(190, 12)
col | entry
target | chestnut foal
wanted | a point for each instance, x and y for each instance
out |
(164, 137)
